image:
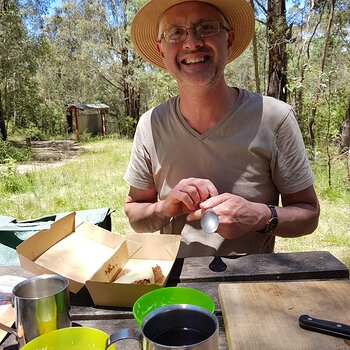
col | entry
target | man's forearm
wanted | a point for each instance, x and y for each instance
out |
(297, 220)
(144, 217)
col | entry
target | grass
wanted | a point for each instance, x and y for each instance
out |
(92, 180)
(95, 180)
(332, 233)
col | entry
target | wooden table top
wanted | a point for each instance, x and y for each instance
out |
(203, 273)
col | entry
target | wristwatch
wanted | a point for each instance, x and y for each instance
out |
(273, 221)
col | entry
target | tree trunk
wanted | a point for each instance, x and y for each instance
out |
(302, 64)
(255, 58)
(3, 131)
(277, 38)
(5, 5)
(345, 131)
(349, 165)
(3, 127)
(345, 136)
(131, 93)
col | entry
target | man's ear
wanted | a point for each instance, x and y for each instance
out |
(230, 39)
(159, 49)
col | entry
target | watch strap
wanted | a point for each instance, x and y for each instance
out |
(272, 222)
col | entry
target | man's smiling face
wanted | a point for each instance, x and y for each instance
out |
(195, 61)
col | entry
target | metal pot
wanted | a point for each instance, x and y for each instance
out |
(41, 305)
(178, 326)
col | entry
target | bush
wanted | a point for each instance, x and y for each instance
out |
(8, 153)
(8, 176)
(127, 126)
(11, 181)
(33, 133)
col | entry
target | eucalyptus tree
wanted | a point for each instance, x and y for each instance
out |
(272, 14)
(330, 5)
(255, 56)
(125, 67)
(65, 76)
(263, 66)
(138, 83)
(19, 49)
(345, 141)
(92, 59)
(319, 66)
(277, 36)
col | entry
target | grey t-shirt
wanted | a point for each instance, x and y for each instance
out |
(256, 151)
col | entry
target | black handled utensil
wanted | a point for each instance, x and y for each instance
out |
(324, 326)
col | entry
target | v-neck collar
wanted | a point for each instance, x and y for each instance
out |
(213, 129)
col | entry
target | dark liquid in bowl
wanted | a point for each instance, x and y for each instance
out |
(180, 336)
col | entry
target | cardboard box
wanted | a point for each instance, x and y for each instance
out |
(89, 255)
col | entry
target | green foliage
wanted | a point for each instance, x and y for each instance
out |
(82, 53)
(240, 72)
(10, 153)
(309, 76)
(164, 87)
(11, 182)
(33, 133)
(127, 126)
(8, 177)
(332, 177)
(21, 49)
(85, 137)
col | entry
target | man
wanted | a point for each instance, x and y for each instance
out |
(214, 146)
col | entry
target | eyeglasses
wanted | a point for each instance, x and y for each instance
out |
(201, 30)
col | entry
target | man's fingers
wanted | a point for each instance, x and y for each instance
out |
(193, 191)
(195, 215)
(205, 188)
(216, 200)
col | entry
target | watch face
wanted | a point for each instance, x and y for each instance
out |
(272, 224)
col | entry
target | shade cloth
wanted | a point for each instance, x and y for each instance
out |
(13, 232)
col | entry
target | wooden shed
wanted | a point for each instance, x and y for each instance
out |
(88, 118)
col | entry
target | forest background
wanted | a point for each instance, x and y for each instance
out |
(79, 51)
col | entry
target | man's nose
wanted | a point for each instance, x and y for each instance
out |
(191, 39)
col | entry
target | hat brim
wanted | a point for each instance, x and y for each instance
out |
(238, 13)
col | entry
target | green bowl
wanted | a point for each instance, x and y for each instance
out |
(73, 338)
(168, 296)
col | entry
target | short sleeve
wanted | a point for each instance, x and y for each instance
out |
(291, 170)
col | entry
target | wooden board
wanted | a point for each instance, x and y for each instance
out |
(265, 316)
(7, 317)
(260, 267)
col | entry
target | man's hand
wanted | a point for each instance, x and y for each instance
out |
(147, 214)
(298, 215)
(186, 196)
(237, 215)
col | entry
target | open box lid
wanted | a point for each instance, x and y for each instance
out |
(76, 250)
(167, 246)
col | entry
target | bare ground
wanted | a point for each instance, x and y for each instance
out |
(52, 154)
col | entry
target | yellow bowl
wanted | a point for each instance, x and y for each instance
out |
(73, 338)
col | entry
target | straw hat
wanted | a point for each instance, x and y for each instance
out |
(238, 13)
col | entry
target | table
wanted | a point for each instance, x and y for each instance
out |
(203, 273)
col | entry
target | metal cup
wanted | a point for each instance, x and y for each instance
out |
(178, 326)
(41, 305)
